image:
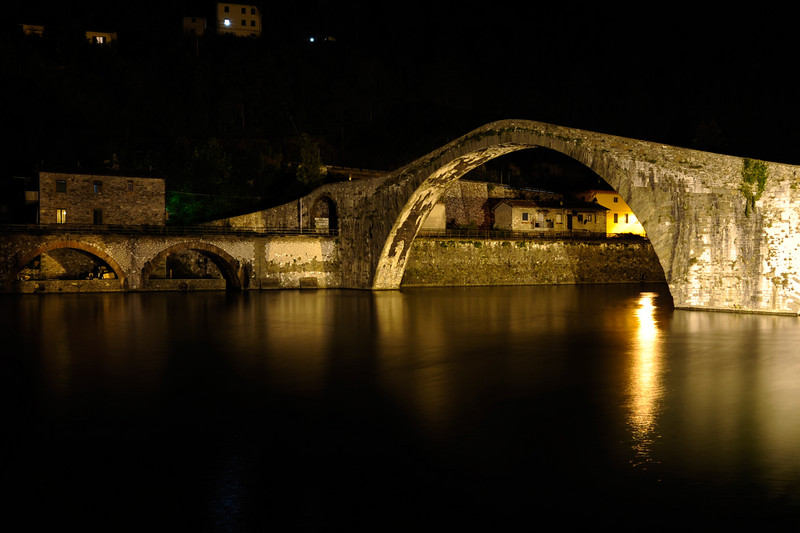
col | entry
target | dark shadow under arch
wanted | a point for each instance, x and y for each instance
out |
(71, 244)
(324, 215)
(232, 272)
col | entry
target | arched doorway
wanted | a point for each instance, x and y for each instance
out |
(324, 217)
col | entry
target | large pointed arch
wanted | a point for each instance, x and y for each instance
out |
(427, 179)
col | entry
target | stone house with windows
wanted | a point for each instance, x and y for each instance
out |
(619, 217)
(66, 198)
(550, 216)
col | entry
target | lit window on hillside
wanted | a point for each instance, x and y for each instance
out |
(61, 216)
(97, 187)
(226, 22)
(61, 186)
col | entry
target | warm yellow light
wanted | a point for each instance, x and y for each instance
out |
(645, 381)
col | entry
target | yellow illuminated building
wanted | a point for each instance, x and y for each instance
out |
(242, 20)
(101, 37)
(620, 217)
(32, 29)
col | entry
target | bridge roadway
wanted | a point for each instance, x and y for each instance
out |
(725, 229)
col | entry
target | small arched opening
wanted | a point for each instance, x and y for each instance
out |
(324, 216)
(51, 265)
(198, 264)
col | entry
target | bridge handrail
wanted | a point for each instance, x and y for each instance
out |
(124, 229)
(498, 234)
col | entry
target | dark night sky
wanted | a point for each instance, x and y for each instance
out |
(721, 81)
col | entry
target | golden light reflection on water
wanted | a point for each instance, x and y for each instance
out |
(645, 387)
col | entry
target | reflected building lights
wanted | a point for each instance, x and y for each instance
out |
(645, 387)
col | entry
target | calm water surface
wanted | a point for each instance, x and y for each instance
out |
(421, 409)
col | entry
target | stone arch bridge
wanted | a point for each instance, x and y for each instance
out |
(725, 229)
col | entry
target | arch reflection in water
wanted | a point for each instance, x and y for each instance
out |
(645, 387)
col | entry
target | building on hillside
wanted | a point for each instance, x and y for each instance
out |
(194, 26)
(543, 216)
(96, 199)
(101, 37)
(620, 217)
(241, 20)
(32, 29)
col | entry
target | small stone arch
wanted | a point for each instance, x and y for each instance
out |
(324, 215)
(89, 249)
(235, 276)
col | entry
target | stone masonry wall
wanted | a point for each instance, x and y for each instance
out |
(464, 262)
(122, 200)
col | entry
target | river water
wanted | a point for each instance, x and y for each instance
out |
(419, 409)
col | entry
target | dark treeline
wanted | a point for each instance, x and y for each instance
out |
(233, 117)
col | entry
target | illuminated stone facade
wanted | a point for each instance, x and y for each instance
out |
(537, 216)
(620, 218)
(94, 199)
(241, 20)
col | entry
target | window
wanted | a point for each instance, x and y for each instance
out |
(253, 23)
(244, 22)
(226, 22)
(616, 218)
(616, 199)
(559, 219)
(226, 9)
(97, 216)
(626, 218)
(252, 11)
(244, 11)
(61, 186)
(97, 187)
(525, 217)
(130, 185)
(61, 216)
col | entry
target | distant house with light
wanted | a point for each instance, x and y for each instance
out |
(66, 198)
(101, 37)
(241, 20)
(194, 25)
(32, 29)
(620, 217)
(552, 216)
